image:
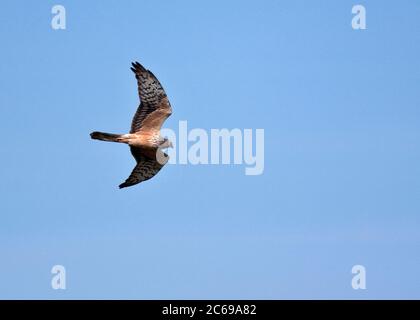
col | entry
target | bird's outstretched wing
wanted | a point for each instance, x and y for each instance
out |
(154, 106)
(145, 168)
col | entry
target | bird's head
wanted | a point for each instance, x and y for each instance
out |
(166, 143)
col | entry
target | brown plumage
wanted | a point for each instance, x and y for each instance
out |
(144, 138)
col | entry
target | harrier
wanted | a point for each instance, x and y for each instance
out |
(144, 139)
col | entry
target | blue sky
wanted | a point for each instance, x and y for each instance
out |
(340, 110)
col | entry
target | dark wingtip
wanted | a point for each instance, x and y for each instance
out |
(122, 185)
(137, 65)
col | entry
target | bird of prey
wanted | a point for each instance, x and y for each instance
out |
(144, 139)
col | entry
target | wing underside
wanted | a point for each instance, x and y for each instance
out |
(145, 168)
(152, 98)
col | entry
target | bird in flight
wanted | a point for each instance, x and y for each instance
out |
(144, 139)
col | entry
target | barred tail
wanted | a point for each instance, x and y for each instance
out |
(106, 136)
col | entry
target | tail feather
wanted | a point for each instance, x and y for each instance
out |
(106, 136)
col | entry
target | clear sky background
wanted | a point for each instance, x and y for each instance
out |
(341, 185)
